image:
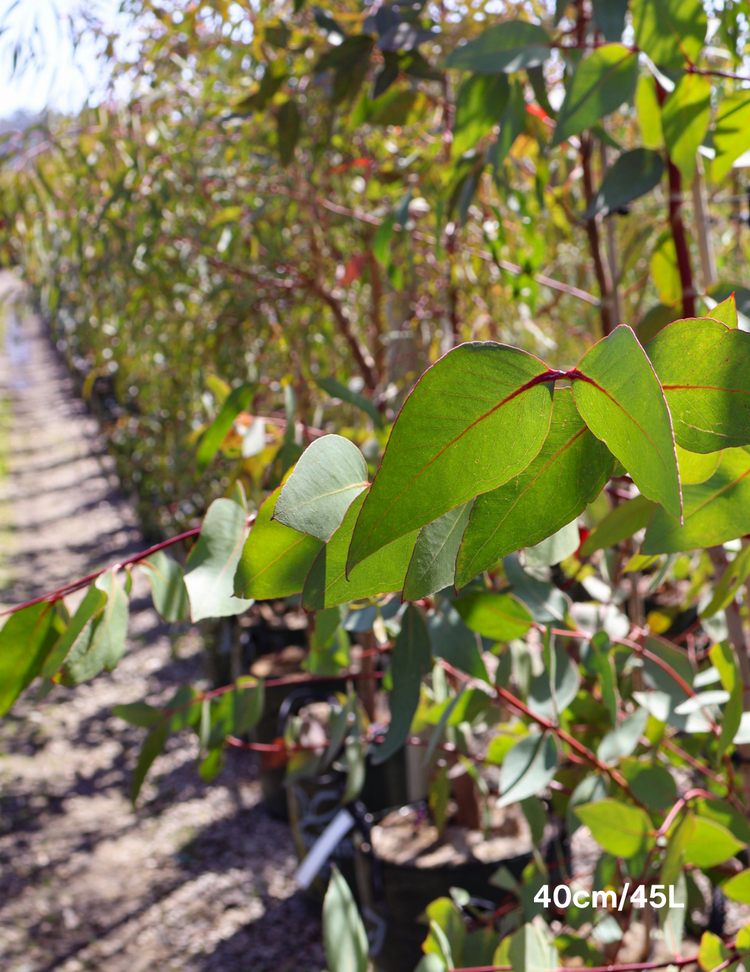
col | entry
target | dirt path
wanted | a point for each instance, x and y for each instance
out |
(199, 878)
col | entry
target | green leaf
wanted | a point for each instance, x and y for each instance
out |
(448, 918)
(433, 562)
(731, 720)
(610, 17)
(724, 312)
(138, 714)
(152, 747)
(331, 473)
(275, 559)
(696, 467)
(622, 403)
(411, 660)
(545, 601)
(567, 474)
(248, 701)
(714, 512)
(601, 83)
(443, 447)
(531, 950)
(527, 768)
(666, 273)
(512, 123)
(102, 641)
(737, 888)
(619, 524)
(545, 701)
(654, 786)
(287, 130)
(633, 175)
(684, 120)
(671, 32)
(723, 658)
(338, 390)
(731, 134)
(327, 584)
(507, 47)
(454, 642)
(237, 401)
(480, 104)
(209, 577)
(559, 546)
(712, 953)
(673, 921)
(591, 789)
(167, 586)
(210, 767)
(501, 617)
(623, 740)
(710, 844)
(620, 829)
(727, 588)
(24, 645)
(92, 603)
(649, 112)
(704, 369)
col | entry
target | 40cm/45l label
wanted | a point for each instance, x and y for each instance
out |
(659, 896)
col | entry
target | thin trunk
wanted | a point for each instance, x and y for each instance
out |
(680, 240)
(614, 272)
(592, 229)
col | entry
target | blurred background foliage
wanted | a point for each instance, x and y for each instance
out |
(292, 195)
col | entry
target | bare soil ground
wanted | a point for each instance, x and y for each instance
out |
(199, 878)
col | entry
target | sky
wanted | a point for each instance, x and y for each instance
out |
(59, 75)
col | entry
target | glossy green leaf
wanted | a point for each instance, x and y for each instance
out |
(671, 32)
(729, 584)
(710, 844)
(623, 740)
(507, 47)
(443, 447)
(704, 368)
(684, 120)
(92, 603)
(512, 123)
(619, 524)
(610, 17)
(237, 401)
(24, 644)
(725, 312)
(287, 130)
(480, 104)
(622, 403)
(633, 175)
(649, 112)
(327, 584)
(454, 642)
(102, 641)
(714, 512)
(568, 473)
(209, 577)
(152, 747)
(725, 661)
(620, 829)
(696, 467)
(433, 562)
(338, 390)
(601, 83)
(527, 768)
(501, 617)
(138, 714)
(330, 475)
(167, 586)
(731, 134)
(737, 888)
(712, 952)
(275, 559)
(531, 950)
(410, 661)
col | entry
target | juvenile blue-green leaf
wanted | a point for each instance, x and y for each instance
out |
(152, 747)
(610, 17)
(671, 32)
(531, 950)
(338, 390)
(93, 602)
(684, 121)
(548, 701)
(601, 83)
(331, 473)
(704, 369)
(275, 559)
(507, 47)
(714, 512)
(237, 401)
(622, 522)
(433, 563)
(411, 660)
(592, 789)
(501, 617)
(623, 740)
(102, 641)
(512, 123)
(527, 768)
(710, 844)
(633, 175)
(622, 403)
(731, 135)
(327, 584)
(454, 642)
(654, 786)
(24, 644)
(138, 714)
(620, 829)
(545, 601)
(567, 474)
(480, 104)
(443, 449)
(209, 577)
(558, 546)
(167, 586)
